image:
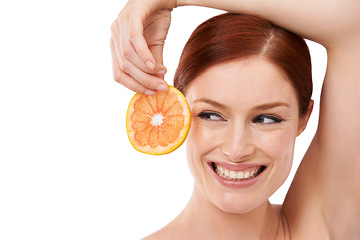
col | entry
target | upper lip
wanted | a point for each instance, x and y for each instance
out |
(237, 166)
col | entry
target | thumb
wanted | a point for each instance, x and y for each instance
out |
(157, 51)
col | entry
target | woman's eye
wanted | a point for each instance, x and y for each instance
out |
(267, 119)
(210, 116)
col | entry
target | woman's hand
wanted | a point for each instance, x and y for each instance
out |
(137, 41)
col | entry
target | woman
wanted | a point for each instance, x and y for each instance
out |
(247, 114)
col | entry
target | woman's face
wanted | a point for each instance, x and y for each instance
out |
(245, 121)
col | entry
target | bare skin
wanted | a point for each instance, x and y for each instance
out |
(322, 202)
(226, 128)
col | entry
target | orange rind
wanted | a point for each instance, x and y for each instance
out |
(158, 124)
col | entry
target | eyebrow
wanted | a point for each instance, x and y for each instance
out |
(265, 106)
(211, 102)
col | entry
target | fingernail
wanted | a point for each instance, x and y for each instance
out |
(149, 92)
(161, 87)
(161, 72)
(150, 65)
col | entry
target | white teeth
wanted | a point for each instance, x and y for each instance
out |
(240, 175)
(232, 174)
(236, 175)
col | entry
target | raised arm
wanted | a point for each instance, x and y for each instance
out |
(325, 22)
(139, 32)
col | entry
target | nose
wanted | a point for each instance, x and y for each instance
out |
(238, 144)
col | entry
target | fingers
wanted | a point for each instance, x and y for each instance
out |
(136, 37)
(137, 57)
(157, 52)
(130, 44)
(127, 74)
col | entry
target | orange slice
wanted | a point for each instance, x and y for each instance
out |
(158, 124)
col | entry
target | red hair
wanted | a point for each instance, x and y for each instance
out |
(230, 36)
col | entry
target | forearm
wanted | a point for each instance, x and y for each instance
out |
(327, 23)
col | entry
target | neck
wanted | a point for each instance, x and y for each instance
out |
(202, 218)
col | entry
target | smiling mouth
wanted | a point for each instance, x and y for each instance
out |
(249, 173)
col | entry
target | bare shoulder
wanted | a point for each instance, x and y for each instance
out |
(304, 227)
(159, 235)
(155, 236)
(165, 233)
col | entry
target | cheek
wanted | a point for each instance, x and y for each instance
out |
(199, 142)
(196, 141)
(279, 147)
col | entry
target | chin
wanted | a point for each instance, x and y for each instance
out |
(235, 204)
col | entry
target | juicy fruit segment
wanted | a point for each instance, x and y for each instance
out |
(158, 124)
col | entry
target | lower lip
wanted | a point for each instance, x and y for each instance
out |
(244, 183)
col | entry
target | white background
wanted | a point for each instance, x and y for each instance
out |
(67, 170)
